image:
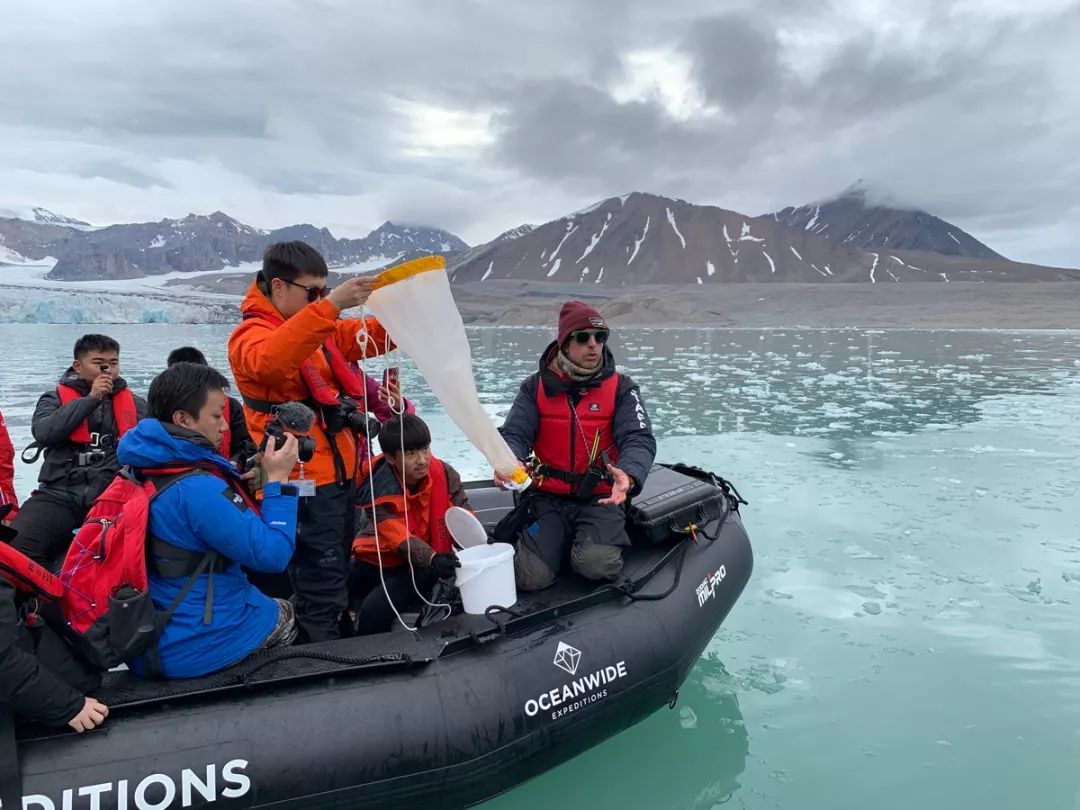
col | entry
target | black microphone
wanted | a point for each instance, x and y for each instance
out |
(288, 417)
(295, 417)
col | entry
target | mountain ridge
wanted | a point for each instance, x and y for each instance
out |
(861, 217)
(640, 238)
(626, 240)
(198, 242)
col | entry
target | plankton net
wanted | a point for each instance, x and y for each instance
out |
(414, 304)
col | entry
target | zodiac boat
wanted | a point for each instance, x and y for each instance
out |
(446, 716)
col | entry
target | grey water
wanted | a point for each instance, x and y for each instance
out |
(911, 634)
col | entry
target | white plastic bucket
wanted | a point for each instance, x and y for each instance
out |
(486, 577)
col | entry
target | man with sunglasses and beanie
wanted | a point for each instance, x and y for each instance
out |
(293, 346)
(583, 429)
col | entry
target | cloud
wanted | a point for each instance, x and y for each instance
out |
(737, 59)
(479, 115)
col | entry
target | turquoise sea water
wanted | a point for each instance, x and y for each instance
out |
(910, 635)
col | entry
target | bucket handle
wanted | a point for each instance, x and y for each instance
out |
(477, 568)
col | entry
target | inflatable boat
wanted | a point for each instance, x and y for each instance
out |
(447, 716)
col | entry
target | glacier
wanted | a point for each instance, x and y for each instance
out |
(27, 296)
(38, 305)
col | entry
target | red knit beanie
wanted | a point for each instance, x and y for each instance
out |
(577, 315)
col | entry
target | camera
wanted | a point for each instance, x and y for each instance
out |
(89, 458)
(276, 429)
(357, 420)
(104, 368)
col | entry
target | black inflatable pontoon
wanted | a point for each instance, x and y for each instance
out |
(442, 718)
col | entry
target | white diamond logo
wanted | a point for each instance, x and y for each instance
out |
(567, 658)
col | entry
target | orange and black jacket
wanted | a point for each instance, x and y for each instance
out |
(397, 516)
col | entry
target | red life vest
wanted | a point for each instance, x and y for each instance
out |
(226, 435)
(438, 504)
(567, 436)
(124, 412)
(27, 576)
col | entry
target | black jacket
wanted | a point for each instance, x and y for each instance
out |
(631, 427)
(52, 426)
(37, 668)
(240, 441)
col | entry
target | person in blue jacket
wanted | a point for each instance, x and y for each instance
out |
(205, 512)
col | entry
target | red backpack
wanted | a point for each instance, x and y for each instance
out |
(106, 602)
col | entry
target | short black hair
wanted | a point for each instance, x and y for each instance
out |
(95, 343)
(183, 387)
(186, 354)
(406, 432)
(289, 260)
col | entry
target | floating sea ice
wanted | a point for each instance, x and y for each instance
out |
(857, 552)
(775, 594)
(687, 718)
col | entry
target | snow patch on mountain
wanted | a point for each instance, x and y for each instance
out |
(675, 227)
(637, 242)
(594, 240)
(570, 228)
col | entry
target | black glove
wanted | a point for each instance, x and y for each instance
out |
(444, 564)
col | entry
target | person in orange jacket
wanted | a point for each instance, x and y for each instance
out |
(293, 346)
(402, 545)
(9, 502)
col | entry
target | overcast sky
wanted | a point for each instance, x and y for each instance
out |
(477, 116)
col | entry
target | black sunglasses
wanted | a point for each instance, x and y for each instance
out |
(583, 336)
(313, 293)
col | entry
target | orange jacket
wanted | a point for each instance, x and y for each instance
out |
(389, 514)
(265, 361)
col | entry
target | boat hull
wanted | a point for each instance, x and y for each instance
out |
(489, 711)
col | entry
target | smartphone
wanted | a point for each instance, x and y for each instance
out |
(392, 373)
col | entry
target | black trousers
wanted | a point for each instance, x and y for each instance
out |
(320, 566)
(369, 600)
(594, 536)
(46, 523)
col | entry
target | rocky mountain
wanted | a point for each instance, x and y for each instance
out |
(514, 233)
(645, 239)
(506, 236)
(856, 218)
(197, 243)
(43, 216)
(622, 241)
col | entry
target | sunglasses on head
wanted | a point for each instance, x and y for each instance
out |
(314, 293)
(583, 336)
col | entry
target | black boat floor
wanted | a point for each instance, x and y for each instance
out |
(367, 654)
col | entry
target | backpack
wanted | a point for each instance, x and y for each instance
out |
(106, 603)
